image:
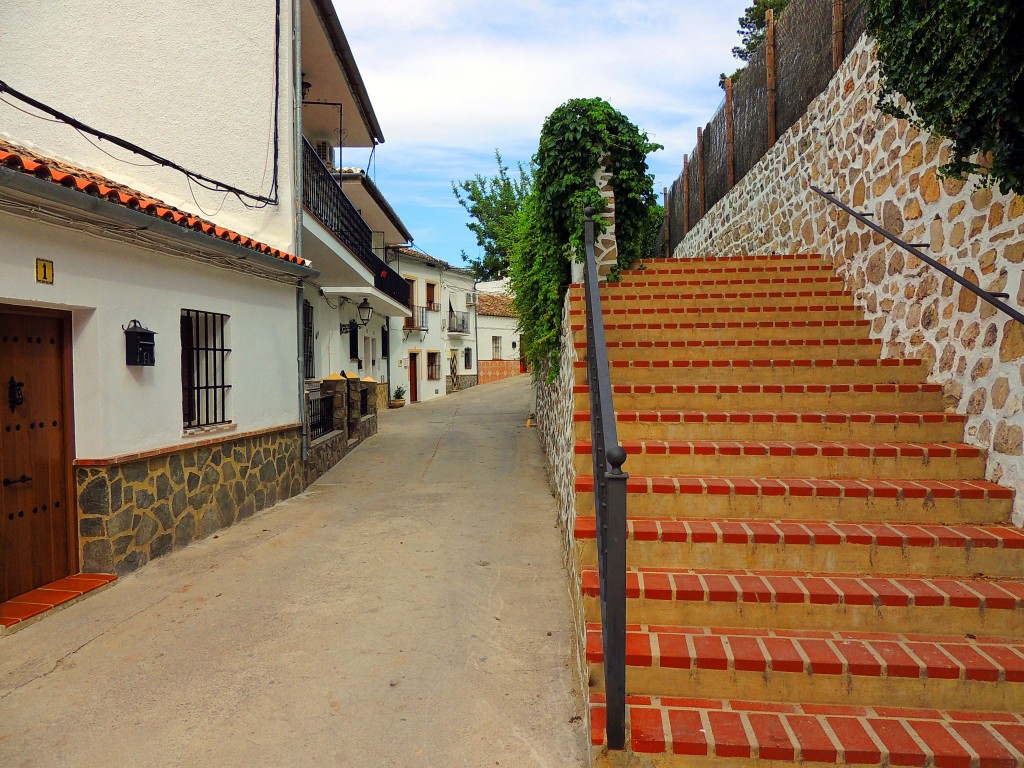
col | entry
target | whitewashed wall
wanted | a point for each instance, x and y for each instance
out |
(489, 326)
(192, 82)
(105, 284)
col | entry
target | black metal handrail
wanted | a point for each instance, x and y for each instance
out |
(323, 196)
(609, 502)
(458, 322)
(995, 299)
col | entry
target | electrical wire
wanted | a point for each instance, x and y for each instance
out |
(200, 180)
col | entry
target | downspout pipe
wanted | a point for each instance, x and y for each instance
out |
(300, 367)
(476, 331)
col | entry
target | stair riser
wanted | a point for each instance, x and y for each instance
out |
(601, 757)
(844, 402)
(870, 351)
(821, 558)
(856, 432)
(673, 284)
(821, 689)
(639, 304)
(895, 374)
(735, 507)
(904, 468)
(846, 618)
(614, 335)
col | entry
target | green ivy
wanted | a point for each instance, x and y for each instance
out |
(574, 141)
(960, 63)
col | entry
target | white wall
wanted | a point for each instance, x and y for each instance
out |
(192, 82)
(121, 409)
(505, 327)
(331, 347)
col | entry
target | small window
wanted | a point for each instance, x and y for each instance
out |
(307, 339)
(433, 365)
(353, 340)
(496, 347)
(204, 351)
(469, 358)
(432, 303)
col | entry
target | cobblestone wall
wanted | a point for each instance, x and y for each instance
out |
(882, 165)
(133, 511)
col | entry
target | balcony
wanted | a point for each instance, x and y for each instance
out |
(323, 198)
(418, 320)
(458, 322)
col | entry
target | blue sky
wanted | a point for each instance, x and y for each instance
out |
(451, 80)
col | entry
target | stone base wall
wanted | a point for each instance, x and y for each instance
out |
(496, 370)
(132, 511)
(465, 382)
(879, 164)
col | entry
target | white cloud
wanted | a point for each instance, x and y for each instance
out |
(451, 80)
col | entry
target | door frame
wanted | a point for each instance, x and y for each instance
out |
(68, 411)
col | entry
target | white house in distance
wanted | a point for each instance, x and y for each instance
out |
(497, 327)
(433, 352)
(177, 276)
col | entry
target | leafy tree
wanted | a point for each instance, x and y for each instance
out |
(494, 203)
(960, 64)
(752, 31)
(577, 138)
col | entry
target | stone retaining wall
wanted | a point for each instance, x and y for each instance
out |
(133, 511)
(883, 165)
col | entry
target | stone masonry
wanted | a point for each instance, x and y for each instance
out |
(885, 166)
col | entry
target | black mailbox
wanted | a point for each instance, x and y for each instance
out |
(139, 345)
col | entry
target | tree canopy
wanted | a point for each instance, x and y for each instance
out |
(494, 203)
(752, 31)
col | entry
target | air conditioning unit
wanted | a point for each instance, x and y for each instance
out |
(470, 298)
(325, 152)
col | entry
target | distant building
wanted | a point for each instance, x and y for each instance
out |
(500, 345)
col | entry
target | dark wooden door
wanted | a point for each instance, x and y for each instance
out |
(35, 537)
(414, 378)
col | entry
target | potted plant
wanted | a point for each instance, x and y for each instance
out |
(397, 398)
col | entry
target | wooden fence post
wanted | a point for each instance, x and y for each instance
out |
(730, 165)
(668, 224)
(700, 171)
(769, 56)
(838, 42)
(686, 194)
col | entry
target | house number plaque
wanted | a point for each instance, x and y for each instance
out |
(44, 271)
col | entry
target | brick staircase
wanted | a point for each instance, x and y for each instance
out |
(818, 572)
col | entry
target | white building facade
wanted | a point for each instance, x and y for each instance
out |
(179, 265)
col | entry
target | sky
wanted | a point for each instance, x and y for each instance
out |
(453, 80)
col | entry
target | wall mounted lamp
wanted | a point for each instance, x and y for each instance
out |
(365, 313)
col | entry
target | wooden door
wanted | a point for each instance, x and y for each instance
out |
(36, 538)
(414, 378)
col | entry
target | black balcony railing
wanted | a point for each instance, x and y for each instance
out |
(418, 321)
(323, 196)
(321, 414)
(458, 322)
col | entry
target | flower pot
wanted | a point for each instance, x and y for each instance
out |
(396, 402)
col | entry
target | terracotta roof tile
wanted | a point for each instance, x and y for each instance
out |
(28, 162)
(495, 305)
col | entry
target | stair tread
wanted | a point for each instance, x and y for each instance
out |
(578, 310)
(831, 734)
(809, 486)
(789, 448)
(760, 389)
(814, 533)
(788, 587)
(852, 362)
(627, 276)
(682, 416)
(738, 343)
(725, 324)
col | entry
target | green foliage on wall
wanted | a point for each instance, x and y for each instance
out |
(960, 63)
(577, 138)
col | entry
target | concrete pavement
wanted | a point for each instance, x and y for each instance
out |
(409, 609)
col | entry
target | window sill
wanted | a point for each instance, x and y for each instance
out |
(213, 429)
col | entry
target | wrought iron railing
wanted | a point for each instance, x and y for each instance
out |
(323, 196)
(609, 502)
(995, 299)
(458, 322)
(321, 414)
(433, 306)
(418, 320)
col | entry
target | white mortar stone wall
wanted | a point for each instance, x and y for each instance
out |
(879, 164)
(606, 251)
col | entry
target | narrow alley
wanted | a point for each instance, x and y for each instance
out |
(410, 609)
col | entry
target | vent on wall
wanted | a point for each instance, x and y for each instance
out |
(325, 152)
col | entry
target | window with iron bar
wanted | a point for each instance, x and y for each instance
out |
(307, 339)
(204, 352)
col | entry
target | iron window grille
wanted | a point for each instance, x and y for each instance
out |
(496, 347)
(321, 414)
(433, 366)
(469, 358)
(204, 352)
(307, 339)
